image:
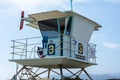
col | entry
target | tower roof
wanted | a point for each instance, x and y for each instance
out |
(34, 18)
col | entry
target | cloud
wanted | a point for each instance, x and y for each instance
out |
(34, 3)
(28, 5)
(112, 1)
(14, 7)
(111, 45)
(83, 0)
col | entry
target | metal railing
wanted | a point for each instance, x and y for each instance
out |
(22, 47)
(27, 48)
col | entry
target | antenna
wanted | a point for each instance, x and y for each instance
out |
(71, 4)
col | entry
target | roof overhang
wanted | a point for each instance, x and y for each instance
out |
(33, 24)
(48, 15)
(97, 26)
(34, 18)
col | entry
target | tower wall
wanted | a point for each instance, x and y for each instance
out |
(82, 28)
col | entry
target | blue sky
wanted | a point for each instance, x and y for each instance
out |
(104, 12)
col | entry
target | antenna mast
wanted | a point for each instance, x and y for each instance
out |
(71, 5)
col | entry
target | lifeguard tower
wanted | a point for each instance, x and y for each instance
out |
(63, 45)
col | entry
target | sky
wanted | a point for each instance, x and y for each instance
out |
(104, 12)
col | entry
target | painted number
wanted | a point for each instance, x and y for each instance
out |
(80, 48)
(51, 49)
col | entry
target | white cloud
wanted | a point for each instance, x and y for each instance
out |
(82, 0)
(111, 45)
(14, 7)
(113, 1)
(34, 5)
(28, 5)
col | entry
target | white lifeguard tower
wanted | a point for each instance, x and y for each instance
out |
(63, 44)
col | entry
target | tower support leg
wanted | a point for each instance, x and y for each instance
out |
(61, 72)
(30, 73)
(49, 72)
(13, 78)
(87, 74)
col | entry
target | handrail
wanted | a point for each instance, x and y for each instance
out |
(24, 47)
(27, 38)
(18, 54)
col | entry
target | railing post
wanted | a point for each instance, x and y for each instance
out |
(26, 47)
(70, 45)
(75, 43)
(87, 52)
(13, 48)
